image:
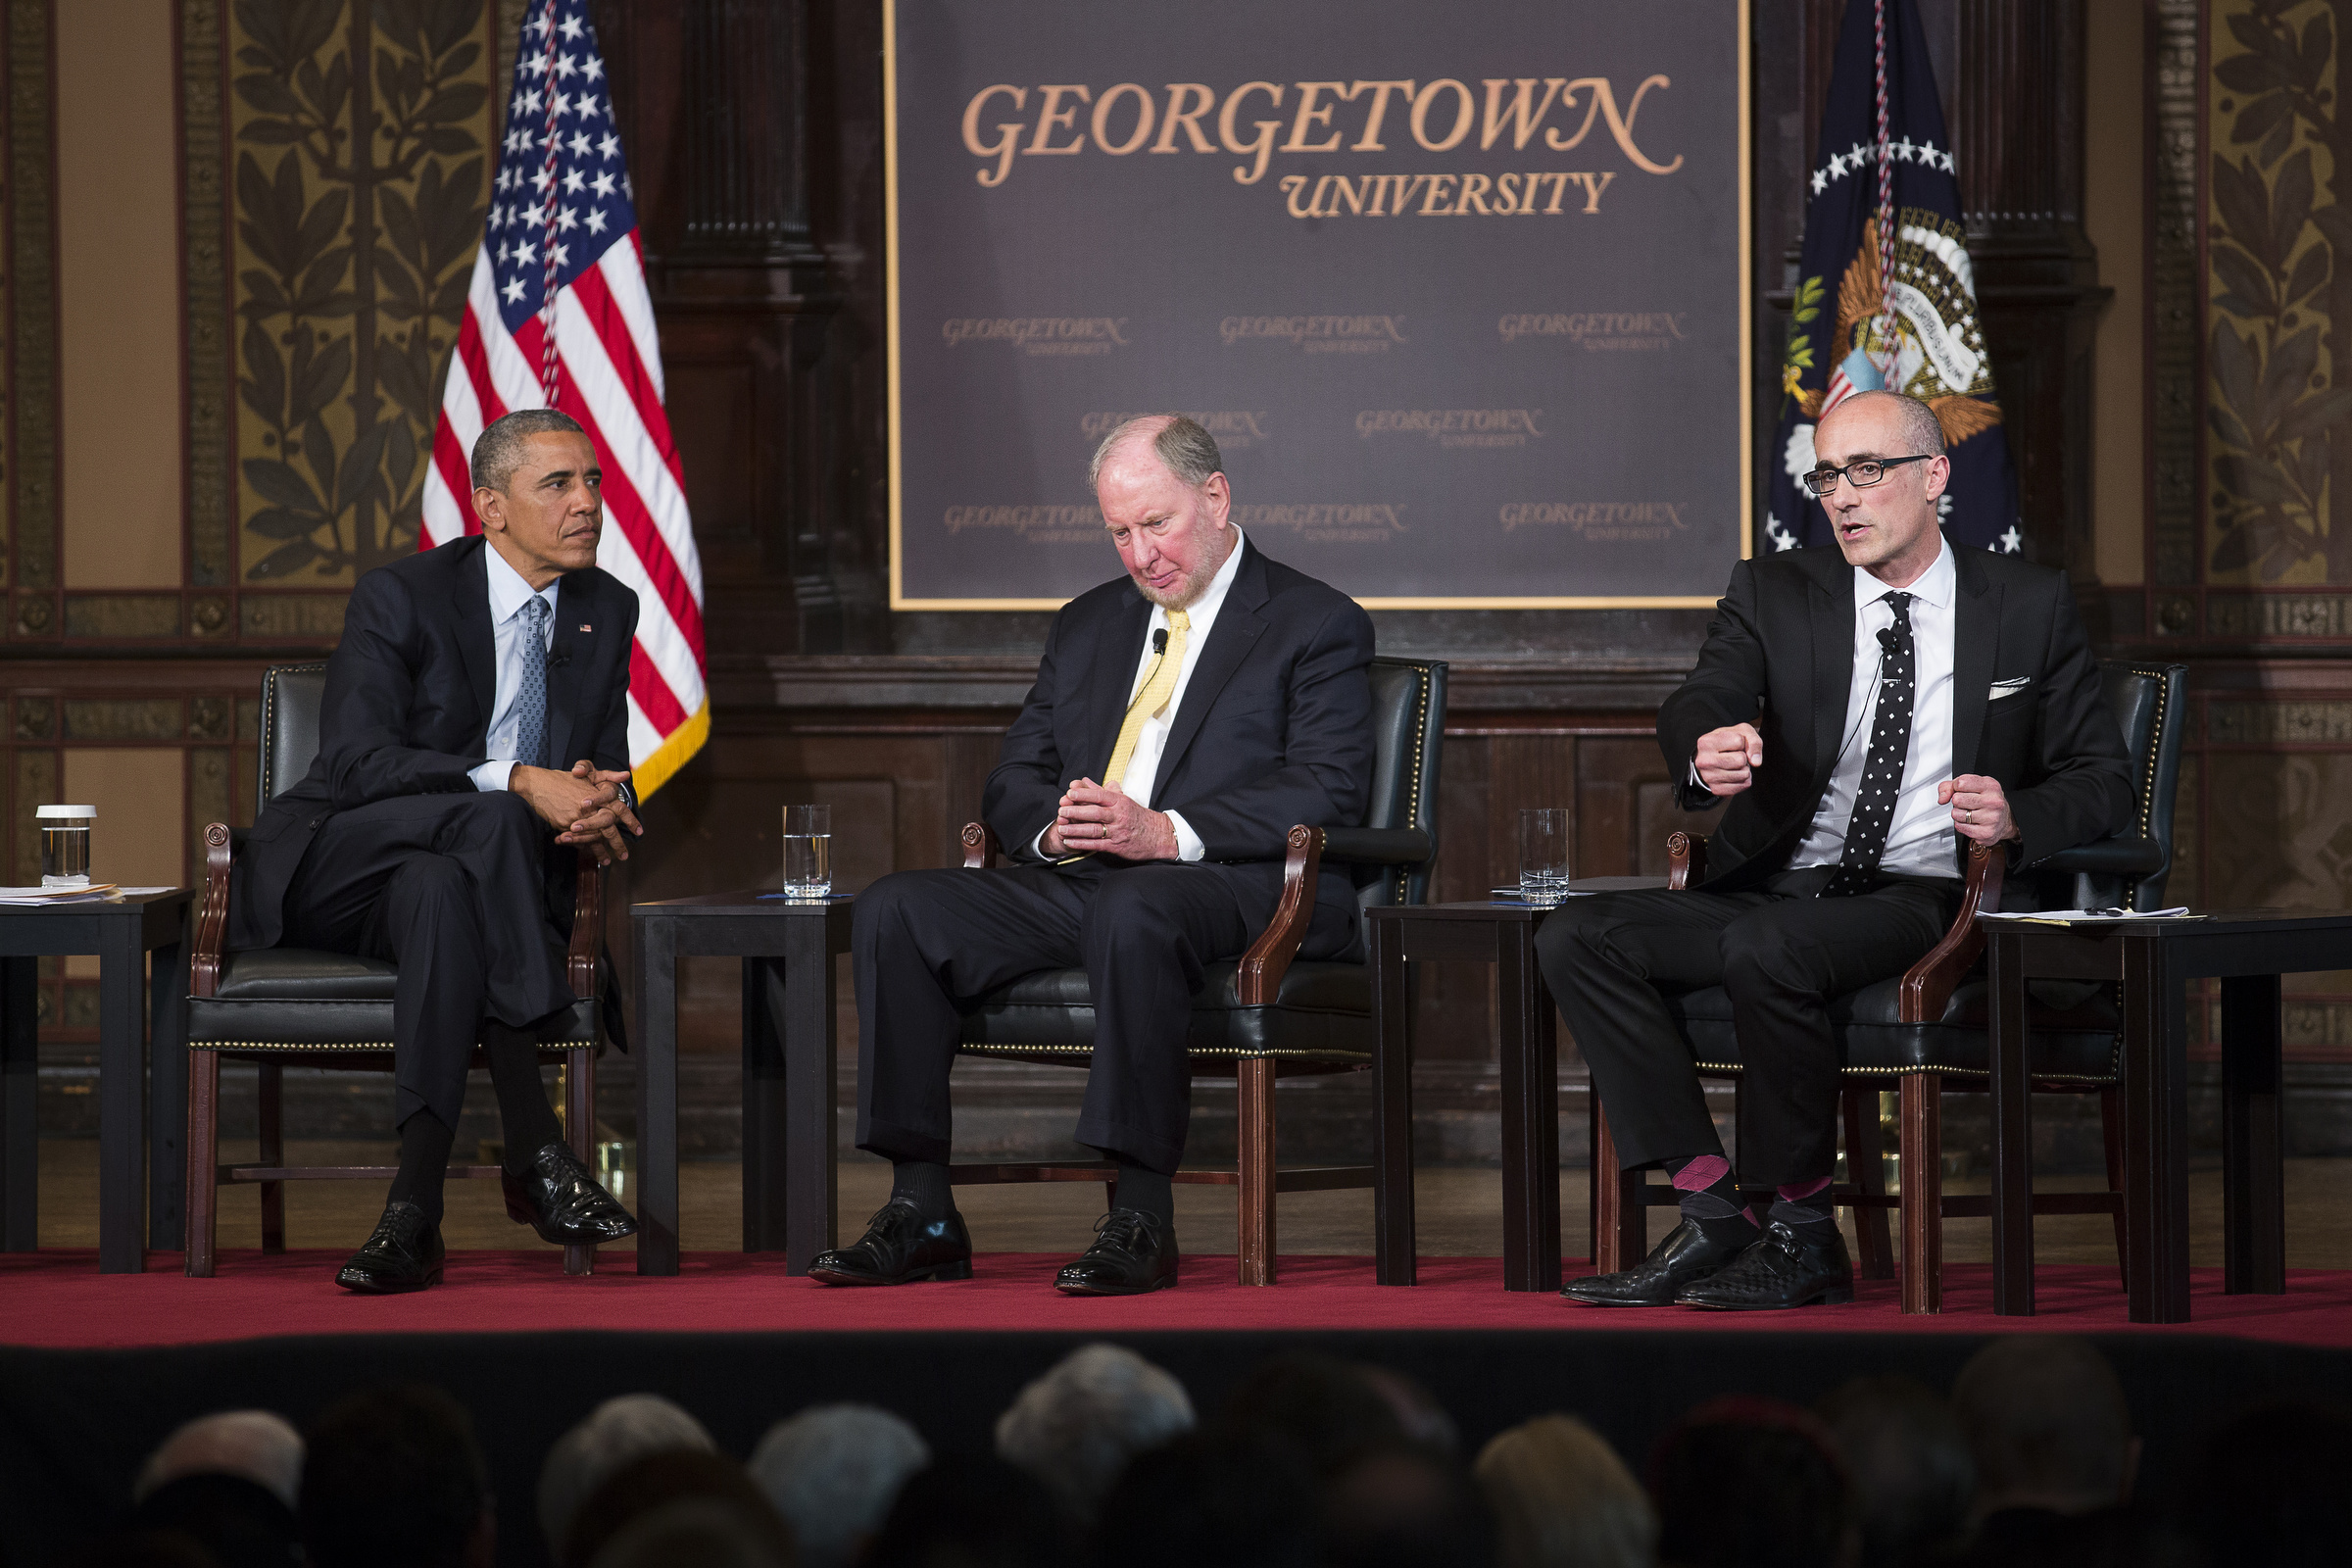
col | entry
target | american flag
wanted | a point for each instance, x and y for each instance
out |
(558, 316)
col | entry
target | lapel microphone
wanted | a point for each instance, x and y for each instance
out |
(1159, 641)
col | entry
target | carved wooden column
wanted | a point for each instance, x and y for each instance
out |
(714, 96)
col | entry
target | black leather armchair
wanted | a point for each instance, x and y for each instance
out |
(1929, 1024)
(1267, 1013)
(281, 1006)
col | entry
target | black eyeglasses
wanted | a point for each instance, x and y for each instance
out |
(1861, 474)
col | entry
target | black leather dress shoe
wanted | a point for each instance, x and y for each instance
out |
(900, 1245)
(404, 1255)
(559, 1199)
(1684, 1258)
(1788, 1268)
(1134, 1253)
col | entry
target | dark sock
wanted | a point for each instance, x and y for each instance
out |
(924, 1185)
(425, 1141)
(1710, 1198)
(523, 1113)
(1147, 1192)
(1804, 1203)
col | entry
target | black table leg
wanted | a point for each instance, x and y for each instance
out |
(657, 1096)
(167, 1098)
(1531, 1116)
(2155, 1134)
(2012, 1133)
(811, 1081)
(122, 1098)
(763, 1107)
(20, 1122)
(1393, 1244)
(2253, 1175)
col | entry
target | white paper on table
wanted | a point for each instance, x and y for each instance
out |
(2092, 917)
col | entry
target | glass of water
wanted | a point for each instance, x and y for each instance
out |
(66, 845)
(807, 851)
(1542, 853)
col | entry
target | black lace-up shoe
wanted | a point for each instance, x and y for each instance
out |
(404, 1255)
(559, 1199)
(1134, 1253)
(1684, 1258)
(900, 1245)
(1790, 1267)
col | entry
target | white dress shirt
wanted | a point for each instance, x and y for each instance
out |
(1921, 841)
(1142, 766)
(511, 638)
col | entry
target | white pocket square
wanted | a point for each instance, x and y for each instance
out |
(2008, 688)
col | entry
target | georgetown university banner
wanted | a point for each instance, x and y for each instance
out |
(1461, 291)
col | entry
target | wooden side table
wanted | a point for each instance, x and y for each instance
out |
(789, 1076)
(2248, 949)
(1528, 1048)
(141, 1125)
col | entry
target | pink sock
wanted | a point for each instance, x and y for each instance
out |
(1703, 1172)
(1790, 1191)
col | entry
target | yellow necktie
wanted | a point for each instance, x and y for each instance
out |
(1157, 687)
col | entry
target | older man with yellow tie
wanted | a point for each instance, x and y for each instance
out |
(1219, 697)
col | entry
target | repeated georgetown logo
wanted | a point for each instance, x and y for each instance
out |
(1599, 521)
(1234, 429)
(1039, 334)
(1323, 522)
(1455, 427)
(1601, 331)
(1032, 525)
(1318, 334)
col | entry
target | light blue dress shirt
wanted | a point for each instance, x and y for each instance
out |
(511, 641)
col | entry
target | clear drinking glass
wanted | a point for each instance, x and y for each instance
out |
(1544, 853)
(66, 845)
(807, 851)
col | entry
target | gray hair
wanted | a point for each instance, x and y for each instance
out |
(1180, 443)
(260, 1445)
(833, 1472)
(1076, 1428)
(498, 451)
(1920, 432)
(615, 1435)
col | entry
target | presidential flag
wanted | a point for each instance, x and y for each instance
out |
(557, 316)
(1886, 295)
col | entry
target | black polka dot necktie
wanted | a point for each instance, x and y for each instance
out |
(1882, 769)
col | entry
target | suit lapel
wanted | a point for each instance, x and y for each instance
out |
(1230, 640)
(1976, 654)
(573, 611)
(1832, 615)
(477, 646)
(1116, 659)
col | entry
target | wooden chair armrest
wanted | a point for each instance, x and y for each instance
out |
(1269, 956)
(587, 925)
(1928, 985)
(211, 914)
(1685, 859)
(980, 847)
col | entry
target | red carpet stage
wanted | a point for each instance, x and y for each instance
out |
(95, 1369)
(59, 1299)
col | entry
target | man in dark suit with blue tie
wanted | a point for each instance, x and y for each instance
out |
(433, 831)
(1185, 718)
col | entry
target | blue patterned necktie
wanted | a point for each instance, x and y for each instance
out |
(1883, 768)
(531, 698)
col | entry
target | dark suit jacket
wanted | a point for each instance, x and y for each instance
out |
(1780, 655)
(409, 696)
(1275, 731)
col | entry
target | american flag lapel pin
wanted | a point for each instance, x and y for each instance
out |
(584, 626)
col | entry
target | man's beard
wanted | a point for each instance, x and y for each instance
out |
(1188, 592)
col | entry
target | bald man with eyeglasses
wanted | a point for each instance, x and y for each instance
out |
(1869, 711)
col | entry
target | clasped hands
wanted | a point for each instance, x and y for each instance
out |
(1099, 819)
(584, 806)
(1727, 760)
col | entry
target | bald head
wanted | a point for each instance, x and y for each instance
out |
(255, 1444)
(1177, 442)
(1912, 423)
